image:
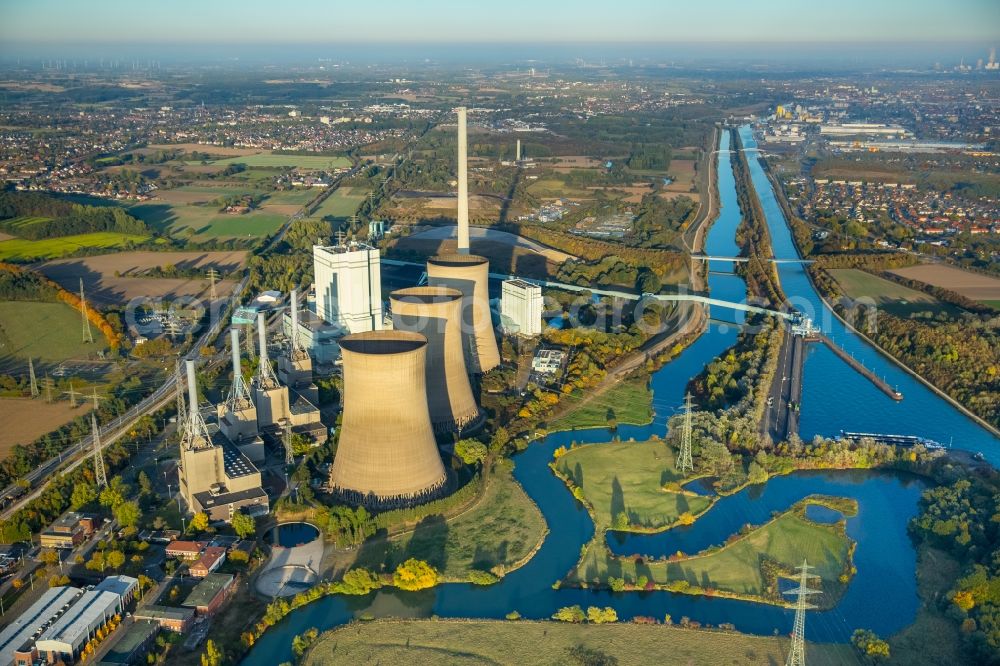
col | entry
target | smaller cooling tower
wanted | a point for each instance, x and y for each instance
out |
(469, 274)
(436, 312)
(387, 455)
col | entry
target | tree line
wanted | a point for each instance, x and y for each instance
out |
(62, 218)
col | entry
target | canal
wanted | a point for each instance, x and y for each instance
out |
(841, 398)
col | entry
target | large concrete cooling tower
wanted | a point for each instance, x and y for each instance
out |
(387, 455)
(469, 274)
(436, 312)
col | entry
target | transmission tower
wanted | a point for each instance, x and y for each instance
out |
(797, 655)
(31, 378)
(684, 462)
(100, 474)
(72, 395)
(213, 275)
(47, 383)
(88, 335)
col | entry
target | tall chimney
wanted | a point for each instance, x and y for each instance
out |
(517, 153)
(463, 184)
(192, 395)
(234, 342)
(295, 319)
(262, 338)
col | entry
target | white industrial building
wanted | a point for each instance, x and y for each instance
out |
(349, 286)
(316, 336)
(521, 307)
(67, 635)
(17, 637)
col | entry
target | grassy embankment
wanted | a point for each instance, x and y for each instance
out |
(441, 642)
(629, 402)
(635, 486)
(637, 479)
(498, 532)
(735, 569)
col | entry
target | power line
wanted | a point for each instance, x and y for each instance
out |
(213, 275)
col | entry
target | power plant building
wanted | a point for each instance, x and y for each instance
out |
(349, 286)
(237, 416)
(387, 455)
(436, 313)
(521, 308)
(469, 274)
(215, 477)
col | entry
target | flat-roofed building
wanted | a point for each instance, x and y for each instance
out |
(65, 637)
(170, 618)
(132, 647)
(316, 335)
(521, 308)
(208, 596)
(124, 586)
(17, 637)
(68, 531)
(349, 286)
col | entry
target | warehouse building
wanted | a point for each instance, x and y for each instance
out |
(16, 639)
(66, 637)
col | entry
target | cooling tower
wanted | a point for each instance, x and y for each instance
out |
(436, 313)
(387, 455)
(469, 274)
(463, 183)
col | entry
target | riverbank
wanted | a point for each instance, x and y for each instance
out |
(440, 642)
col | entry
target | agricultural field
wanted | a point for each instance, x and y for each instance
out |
(628, 402)
(206, 222)
(229, 151)
(304, 162)
(736, 566)
(976, 286)
(428, 642)
(20, 249)
(26, 420)
(49, 333)
(630, 478)
(117, 278)
(894, 298)
(342, 203)
(501, 529)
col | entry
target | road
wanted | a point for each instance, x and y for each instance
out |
(781, 413)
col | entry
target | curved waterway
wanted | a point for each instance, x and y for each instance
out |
(842, 399)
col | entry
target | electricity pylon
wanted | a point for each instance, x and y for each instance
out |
(88, 335)
(32, 381)
(797, 655)
(100, 474)
(72, 395)
(684, 462)
(47, 383)
(213, 275)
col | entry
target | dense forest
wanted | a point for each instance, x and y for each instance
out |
(962, 517)
(59, 217)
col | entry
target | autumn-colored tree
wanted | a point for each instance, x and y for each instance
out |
(414, 574)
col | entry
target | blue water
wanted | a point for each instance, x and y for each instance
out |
(834, 397)
(290, 535)
(841, 398)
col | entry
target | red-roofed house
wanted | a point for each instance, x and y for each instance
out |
(210, 560)
(185, 550)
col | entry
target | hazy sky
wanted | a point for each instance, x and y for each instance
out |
(38, 22)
